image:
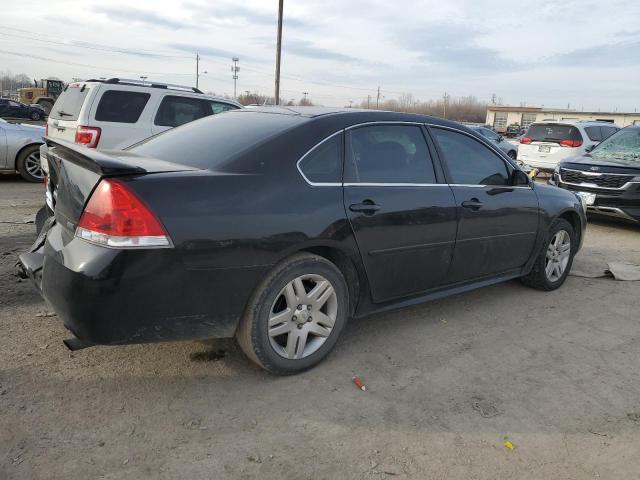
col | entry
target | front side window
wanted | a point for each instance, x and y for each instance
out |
(175, 111)
(469, 161)
(120, 106)
(323, 164)
(388, 154)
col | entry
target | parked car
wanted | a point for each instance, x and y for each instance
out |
(547, 143)
(608, 177)
(509, 148)
(276, 225)
(12, 109)
(116, 113)
(513, 130)
(20, 150)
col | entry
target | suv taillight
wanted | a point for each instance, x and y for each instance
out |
(115, 217)
(88, 136)
(526, 140)
(571, 143)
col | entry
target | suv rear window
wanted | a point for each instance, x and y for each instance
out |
(121, 106)
(552, 132)
(215, 140)
(69, 103)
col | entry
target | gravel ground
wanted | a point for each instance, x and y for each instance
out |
(555, 374)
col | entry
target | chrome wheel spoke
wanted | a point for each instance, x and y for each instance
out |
(323, 319)
(277, 318)
(319, 330)
(280, 329)
(549, 269)
(298, 287)
(290, 296)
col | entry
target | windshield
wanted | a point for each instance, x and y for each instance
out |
(69, 103)
(624, 146)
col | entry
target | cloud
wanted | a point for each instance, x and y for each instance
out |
(203, 50)
(134, 15)
(235, 13)
(622, 54)
(304, 48)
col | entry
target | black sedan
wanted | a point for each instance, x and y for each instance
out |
(12, 109)
(277, 225)
(608, 177)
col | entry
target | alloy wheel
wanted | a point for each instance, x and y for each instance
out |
(32, 165)
(558, 254)
(302, 316)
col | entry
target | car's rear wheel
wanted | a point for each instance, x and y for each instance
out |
(296, 315)
(554, 261)
(28, 164)
(512, 154)
(35, 116)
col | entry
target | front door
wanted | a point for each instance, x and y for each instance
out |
(404, 219)
(498, 221)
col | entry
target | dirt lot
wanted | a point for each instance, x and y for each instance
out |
(556, 374)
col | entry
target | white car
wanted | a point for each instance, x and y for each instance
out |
(545, 144)
(117, 113)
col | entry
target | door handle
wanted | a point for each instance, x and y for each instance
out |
(473, 204)
(368, 207)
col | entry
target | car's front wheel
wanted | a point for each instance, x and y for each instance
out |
(512, 154)
(35, 115)
(295, 316)
(554, 261)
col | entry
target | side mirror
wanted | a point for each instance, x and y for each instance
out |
(519, 178)
(590, 147)
(500, 138)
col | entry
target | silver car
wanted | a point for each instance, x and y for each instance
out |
(507, 147)
(20, 150)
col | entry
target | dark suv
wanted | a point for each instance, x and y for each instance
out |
(608, 177)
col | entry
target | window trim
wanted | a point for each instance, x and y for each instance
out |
(429, 139)
(311, 150)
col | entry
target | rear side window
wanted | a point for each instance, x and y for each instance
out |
(121, 106)
(69, 103)
(553, 132)
(175, 111)
(594, 133)
(388, 154)
(469, 161)
(323, 164)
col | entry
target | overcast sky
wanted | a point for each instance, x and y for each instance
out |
(553, 53)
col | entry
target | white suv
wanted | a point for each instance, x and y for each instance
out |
(547, 143)
(116, 113)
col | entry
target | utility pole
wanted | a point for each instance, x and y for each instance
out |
(368, 102)
(445, 97)
(278, 51)
(493, 99)
(378, 98)
(304, 99)
(235, 69)
(197, 69)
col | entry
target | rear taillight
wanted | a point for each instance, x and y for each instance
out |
(115, 217)
(571, 143)
(88, 136)
(526, 140)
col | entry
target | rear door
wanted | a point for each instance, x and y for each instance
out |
(401, 212)
(497, 222)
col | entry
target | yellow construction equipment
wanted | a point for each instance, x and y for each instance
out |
(44, 93)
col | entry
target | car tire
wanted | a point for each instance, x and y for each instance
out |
(512, 154)
(25, 164)
(35, 116)
(551, 268)
(273, 327)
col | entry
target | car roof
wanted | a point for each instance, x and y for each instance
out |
(357, 115)
(576, 122)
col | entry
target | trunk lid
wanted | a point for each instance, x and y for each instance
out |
(74, 172)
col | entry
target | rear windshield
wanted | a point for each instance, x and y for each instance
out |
(69, 103)
(212, 141)
(552, 132)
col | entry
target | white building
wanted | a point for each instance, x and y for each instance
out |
(501, 117)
